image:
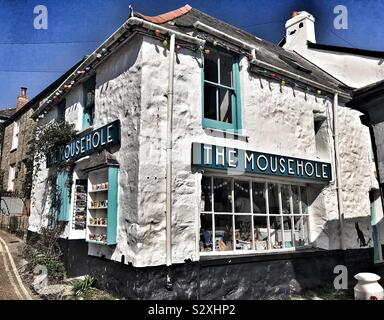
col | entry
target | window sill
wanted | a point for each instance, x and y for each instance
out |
(223, 258)
(230, 132)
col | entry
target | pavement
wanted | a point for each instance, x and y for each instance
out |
(11, 284)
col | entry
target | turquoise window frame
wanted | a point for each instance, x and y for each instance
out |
(65, 201)
(236, 124)
(88, 113)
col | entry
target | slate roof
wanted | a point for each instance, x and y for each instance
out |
(6, 113)
(367, 94)
(183, 19)
(356, 51)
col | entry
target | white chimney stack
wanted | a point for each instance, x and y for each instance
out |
(299, 29)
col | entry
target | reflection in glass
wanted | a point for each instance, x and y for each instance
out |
(206, 194)
(261, 232)
(243, 232)
(275, 231)
(223, 194)
(225, 105)
(258, 195)
(226, 70)
(223, 232)
(295, 199)
(211, 66)
(301, 231)
(288, 233)
(285, 199)
(206, 233)
(210, 97)
(304, 200)
(273, 198)
(242, 198)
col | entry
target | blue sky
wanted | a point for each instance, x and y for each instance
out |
(34, 58)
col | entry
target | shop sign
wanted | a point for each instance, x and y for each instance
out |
(227, 158)
(87, 143)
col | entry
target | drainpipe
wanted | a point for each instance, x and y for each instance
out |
(337, 169)
(169, 150)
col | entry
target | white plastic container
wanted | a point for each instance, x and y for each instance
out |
(367, 287)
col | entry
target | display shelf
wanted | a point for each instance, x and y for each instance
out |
(102, 206)
(80, 205)
(96, 191)
(97, 242)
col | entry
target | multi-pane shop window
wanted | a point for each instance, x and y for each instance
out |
(244, 214)
(221, 101)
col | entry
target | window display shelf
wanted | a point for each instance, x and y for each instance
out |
(102, 206)
(97, 242)
(97, 191)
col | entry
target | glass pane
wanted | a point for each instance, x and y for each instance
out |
(210, 102)
(223, 232)
(285, 199)
(211, 66)
(295, 199)
(206, 194)
(258, 190)
(243, 232)
(206, 233)
(301, 231)
(261, 233)
(304, 201)
(276, 234)
(288, 240)
(225, 105)
(226, 70)
(242, 199)
(273, 198)
(223, 194)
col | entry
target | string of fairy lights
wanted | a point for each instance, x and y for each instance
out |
(164, 39)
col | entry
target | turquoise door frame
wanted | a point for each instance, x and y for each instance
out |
(113, 186)
(377, 254)
(65, 201)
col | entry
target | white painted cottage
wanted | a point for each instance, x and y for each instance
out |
(205, 153)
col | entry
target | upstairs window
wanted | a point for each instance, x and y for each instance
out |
(221, 104)
(15, 135)
(11, 177)
(61, 111)
(89, 102)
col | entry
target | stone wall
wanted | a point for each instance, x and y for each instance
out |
(19, 155)
(259, 277)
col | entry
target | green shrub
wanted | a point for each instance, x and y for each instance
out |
(55, 267)
(84, 288)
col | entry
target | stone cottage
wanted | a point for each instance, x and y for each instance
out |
(208, 164)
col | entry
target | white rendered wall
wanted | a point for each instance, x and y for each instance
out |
(130, 86)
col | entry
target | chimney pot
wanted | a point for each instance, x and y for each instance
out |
(23, 92)
(22, 99)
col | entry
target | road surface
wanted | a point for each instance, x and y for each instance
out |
(11, 286)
